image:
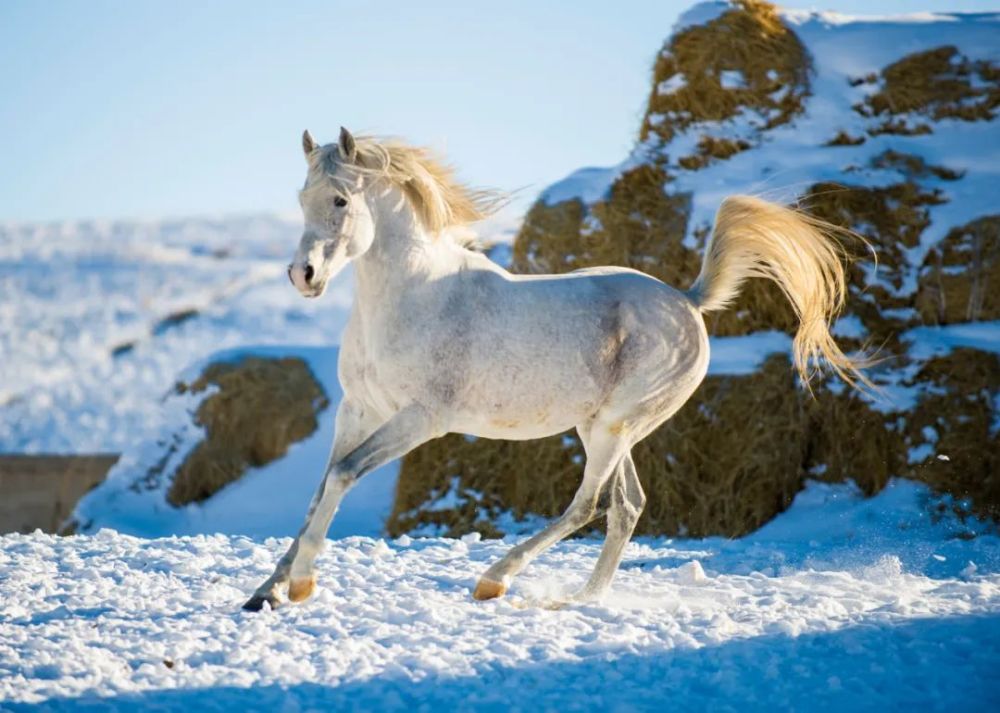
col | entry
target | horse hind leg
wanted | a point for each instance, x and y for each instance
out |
(605, 452)
(627, 502)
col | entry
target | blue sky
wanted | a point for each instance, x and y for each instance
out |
(113, 109)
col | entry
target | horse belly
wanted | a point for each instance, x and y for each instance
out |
(516, 410)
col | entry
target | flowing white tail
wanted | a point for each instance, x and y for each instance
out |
(755, 238)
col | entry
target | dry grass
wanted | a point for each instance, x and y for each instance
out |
(939, 84)
(960, 278)
(709, 148)
(525, 477)
(892, 218)
(261, 406)
(913, 166)
(750, 39)
(639, 225)
(961, 413)
(850, 440)
(734, 456)
(844, 139)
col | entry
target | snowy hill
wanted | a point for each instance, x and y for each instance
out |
(886, 126)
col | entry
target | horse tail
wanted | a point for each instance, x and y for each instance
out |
(799, 253)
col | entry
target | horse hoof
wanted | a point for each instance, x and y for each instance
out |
(256, 602)
(301, 589)
(488, 589)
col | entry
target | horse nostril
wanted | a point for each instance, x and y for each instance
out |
(290, 275)
(309, 273)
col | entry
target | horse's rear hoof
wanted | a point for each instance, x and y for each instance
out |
(488, 589)
(301, 589)
(256, 602)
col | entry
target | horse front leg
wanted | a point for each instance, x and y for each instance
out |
(406, 430)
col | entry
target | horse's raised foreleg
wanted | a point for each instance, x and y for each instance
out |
(604, 455)
(404, 431)
(627, 502)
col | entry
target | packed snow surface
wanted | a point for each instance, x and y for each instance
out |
(842, 602)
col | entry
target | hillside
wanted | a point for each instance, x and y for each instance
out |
(885, 126)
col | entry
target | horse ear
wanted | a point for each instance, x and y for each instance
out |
(308, 143)
(347, 147)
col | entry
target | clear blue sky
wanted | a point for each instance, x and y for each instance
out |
(115, 108)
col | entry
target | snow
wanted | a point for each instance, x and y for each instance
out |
(927, 342)
(732, 79)
(699, 14)
(738, 356)
(841, 602)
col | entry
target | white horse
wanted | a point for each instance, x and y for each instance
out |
(441, 339)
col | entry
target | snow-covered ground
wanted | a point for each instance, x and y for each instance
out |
(841, 603)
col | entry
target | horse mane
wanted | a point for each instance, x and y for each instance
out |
(441, 202)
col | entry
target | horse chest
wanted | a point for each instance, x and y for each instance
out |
(382, 366)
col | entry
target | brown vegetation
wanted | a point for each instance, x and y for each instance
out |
(261, 407)
(960, 277)
(750, 39)
(710, 147)
(939, 84)
(957, 416)
(844, 139)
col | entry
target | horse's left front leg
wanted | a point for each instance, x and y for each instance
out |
(400, 434)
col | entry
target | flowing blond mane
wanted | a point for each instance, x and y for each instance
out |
(440, 201)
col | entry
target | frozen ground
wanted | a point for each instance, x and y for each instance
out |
(841, 603)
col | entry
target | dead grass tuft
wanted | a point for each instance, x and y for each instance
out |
(639, 225)
(939, 84)
(483, 478)
(260, 408)
(733, 457)
(850, 440)
(642, 226)
(749, 39)
(913, 166)
(844, 139)
(710, 147)
(960, 277)
(957, 420)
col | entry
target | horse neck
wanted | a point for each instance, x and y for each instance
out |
(402, 253)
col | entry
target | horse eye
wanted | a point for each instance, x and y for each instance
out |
(340, 202)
